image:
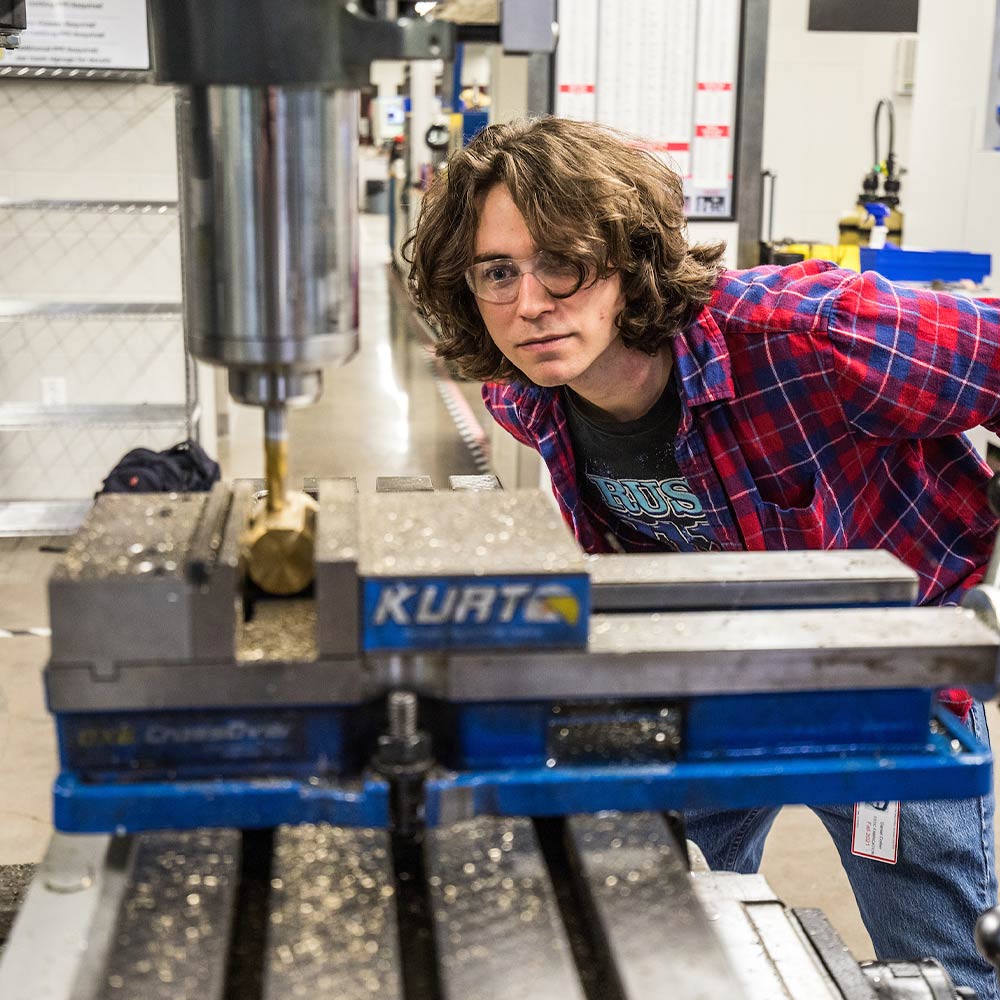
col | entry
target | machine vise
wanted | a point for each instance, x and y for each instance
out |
(462, 638)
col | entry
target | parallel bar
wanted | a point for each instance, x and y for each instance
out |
(333, 916)
(473, 484)
(709, 651)
(214, 564)
(403, 484)
(172, 938)
(660, 940)
(499, 933)
(704, 580)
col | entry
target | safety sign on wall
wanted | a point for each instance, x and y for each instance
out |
(84, 34)
(665, 71)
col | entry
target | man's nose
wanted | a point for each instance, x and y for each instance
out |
(532, 297)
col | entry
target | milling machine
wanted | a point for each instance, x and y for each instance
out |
(449, 758)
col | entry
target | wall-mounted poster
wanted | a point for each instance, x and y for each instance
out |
(84, 34)
(664, 70)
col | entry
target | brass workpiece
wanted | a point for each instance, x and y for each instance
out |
(280, 545)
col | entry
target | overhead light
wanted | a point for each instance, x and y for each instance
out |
(424, 7)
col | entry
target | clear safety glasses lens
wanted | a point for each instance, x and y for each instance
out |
(499, 281)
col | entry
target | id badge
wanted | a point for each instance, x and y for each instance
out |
(876, 831)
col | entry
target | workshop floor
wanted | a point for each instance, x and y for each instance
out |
(381, 416)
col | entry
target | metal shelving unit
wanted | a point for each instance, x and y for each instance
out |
(115, 368)
(15, 416)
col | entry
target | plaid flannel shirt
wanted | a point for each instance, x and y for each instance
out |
(820, 409)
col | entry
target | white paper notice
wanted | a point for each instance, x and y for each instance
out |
(876, 831)
(576, 60)
(84, 34)
(665, 71)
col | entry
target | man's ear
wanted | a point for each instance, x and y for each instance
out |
(621, 313)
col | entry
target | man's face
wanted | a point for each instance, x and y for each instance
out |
(553, 341)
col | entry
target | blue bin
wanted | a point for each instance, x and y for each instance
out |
(926, 265)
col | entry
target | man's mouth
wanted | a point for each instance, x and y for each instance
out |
(540, 343)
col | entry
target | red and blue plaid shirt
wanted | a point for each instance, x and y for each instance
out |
(820, 409)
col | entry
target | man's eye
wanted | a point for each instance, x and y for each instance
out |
(498, 273)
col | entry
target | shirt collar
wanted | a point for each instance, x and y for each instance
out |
(534, 404)
(702, 361)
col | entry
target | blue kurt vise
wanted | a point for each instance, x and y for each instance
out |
(458, 656)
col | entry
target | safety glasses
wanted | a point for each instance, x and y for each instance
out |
(499, 281)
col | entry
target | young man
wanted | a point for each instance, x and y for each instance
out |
(681, 407)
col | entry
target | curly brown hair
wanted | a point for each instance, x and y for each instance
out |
(586, 192)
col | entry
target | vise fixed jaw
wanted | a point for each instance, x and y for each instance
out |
(147, 610)
(149, 577)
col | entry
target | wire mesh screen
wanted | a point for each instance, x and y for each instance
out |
(92, 355)
(79, 389)
(92, 251)
(82, 139)
(92, 359)
(60, 463)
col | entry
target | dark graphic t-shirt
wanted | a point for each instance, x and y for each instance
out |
(629, 469)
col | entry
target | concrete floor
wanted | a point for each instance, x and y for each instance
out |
(382, 415)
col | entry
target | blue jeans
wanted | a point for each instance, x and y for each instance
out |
(924, 906)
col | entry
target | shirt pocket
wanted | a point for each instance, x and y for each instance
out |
(814, 525)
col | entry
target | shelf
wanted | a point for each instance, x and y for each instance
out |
(16, 308)
(42, 517)
(101, 206)
(75, 73)
(19, 416)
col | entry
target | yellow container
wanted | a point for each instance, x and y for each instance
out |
(842, 256)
